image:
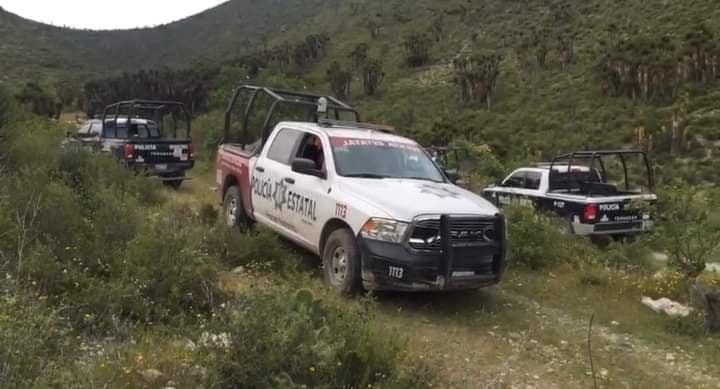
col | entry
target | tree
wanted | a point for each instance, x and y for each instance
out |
(417, 49)
(359, 56)
(374, 27)
(541, 46)
(34, 98)
(68, 93)
(339, 79)
(373, 76)
(6, 108)
(438, 27)
(476, 76)
(310, 50)
(189, 86)
(642, 67)
(702, 55)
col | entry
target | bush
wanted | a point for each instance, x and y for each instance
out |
(260, 249)
(85, 232)
(208, 132)
(537, 240)
(32, 337)
(6, 108)
(167, 275)
(688, 226)
(302, 341)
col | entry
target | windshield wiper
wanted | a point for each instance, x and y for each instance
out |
(366, 175)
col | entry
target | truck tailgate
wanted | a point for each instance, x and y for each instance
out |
(160, 151)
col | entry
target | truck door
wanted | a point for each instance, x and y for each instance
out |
(270, 185)
(521, 187)
(505, 193)
(309, 203)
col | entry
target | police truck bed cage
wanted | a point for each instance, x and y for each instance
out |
(597, 156)
(316, 105)
(132, 109)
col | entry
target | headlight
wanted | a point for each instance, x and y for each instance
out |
(385, 230)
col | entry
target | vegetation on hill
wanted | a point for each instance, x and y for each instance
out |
(42, 53)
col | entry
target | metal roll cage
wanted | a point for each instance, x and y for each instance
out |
(134, 108)
(322, 104)
(597, 156)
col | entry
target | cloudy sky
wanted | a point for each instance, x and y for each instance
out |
(107, 14)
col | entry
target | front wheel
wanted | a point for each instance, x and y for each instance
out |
(342, 262)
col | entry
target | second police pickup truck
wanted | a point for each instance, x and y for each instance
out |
(144, 136)
(372, 205)
(577, 188)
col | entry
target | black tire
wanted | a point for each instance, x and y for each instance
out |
(233, 210)
(342, 262)
(566, 227)
(175, 184)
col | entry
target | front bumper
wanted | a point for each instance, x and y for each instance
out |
(393, 266)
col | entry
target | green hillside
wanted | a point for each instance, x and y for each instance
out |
(537, 109)
(35, 51)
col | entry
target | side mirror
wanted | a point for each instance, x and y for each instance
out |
(453, 175)
(307, 167)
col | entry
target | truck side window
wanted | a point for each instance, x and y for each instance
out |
(283, 146)
(517, 180)
(532, 180)
(311, 148)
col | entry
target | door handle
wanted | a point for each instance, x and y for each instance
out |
(260, 169)
(290, 181)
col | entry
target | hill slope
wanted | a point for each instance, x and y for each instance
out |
(571, 74)
(32, 50)
(537, 110)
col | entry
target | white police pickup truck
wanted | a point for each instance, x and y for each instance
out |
(372, 205)
(577, 188)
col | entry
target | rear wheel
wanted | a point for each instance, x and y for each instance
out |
(234, 212)
(341, 262)
(566, 227)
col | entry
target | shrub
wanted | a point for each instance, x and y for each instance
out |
(32, 337)
(168, 275)
(635, 255)
(207, 132)
(6, 108)
(688, 226)
(260, 249)
(302, 341)
(538, 240)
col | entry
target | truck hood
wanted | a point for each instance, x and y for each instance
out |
(405, 199)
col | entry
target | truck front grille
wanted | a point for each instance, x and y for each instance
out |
(470, 231)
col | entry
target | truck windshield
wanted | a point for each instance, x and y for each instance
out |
(367, 158)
